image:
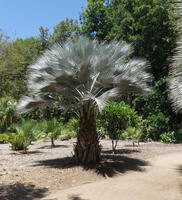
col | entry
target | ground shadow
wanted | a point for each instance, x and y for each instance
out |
(28, 152)
(56, 146)
(180, 169)
(20, 191)
(111, 164)
(122, 151)
(75, 197)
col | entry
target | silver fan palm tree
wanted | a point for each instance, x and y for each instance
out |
(87, 75)
(175, 84)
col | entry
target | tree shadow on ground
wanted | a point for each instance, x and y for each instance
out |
(56, 146)
(111, 164)
(180, 169)
(28, 152)
(122, 151)
(20, 191)
(75, 197)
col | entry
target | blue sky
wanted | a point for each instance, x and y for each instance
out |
(22, 18)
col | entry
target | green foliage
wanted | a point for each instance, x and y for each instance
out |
(21, 135)
(95, 19)
(66, 29)
(159, 125)
(168, 137)
(3, 138)
(49, 129)
(7, 113)
(145, 127)
(116, 117)
(133, 134)
(16, 57)
(70, 129)
(150, 25)
(156, 102)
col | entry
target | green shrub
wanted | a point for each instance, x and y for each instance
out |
(7, 113)
(21, 134)
(117, 117)
(145, 126)
(133, 134)
(49, 129)
(3, 138)
(168, 137)
(178, 136)
(159, 124)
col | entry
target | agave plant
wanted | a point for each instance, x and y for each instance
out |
(88, 75)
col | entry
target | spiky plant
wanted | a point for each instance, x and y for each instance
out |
(175, 84)
(87, 75)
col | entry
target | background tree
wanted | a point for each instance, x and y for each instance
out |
(66, 29)
(16, 57)
(150, 25)
(88, 75)
(45, 38)
(95, 20)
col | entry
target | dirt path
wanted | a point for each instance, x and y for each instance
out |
(160, 180)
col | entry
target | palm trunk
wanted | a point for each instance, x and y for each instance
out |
(87, 148)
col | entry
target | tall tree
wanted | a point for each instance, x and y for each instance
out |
(16, 57)
(149, 25)
(95, 19)
(87, 75)
(66, 29)
(45, 37)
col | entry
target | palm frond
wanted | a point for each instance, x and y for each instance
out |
(175, 84)
(84, 72)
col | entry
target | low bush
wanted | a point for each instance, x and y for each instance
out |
(159, 124)
(21, 135)
(168, 137)
(49, 129)
(115, 118)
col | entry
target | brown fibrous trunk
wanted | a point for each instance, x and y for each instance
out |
(87, 149)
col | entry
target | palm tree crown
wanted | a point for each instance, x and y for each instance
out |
(175, 84)
(84, 72)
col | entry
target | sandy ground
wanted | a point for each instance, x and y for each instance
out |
(150, 171)
(158, 181)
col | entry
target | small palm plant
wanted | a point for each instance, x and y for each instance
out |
(82, 76)
(133, 134)
(49, 129)
(21, 135)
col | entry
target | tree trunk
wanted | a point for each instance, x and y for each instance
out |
(52, 143)
(87, 149)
